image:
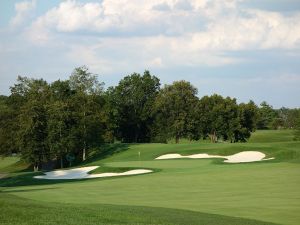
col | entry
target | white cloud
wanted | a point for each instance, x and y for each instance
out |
(87, 55)
(224, 25)
(156, 62)
(163, 33)
(23, 10)
(175, 39)
(256, 30)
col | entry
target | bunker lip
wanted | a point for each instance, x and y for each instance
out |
(241, 157)
(82, 173)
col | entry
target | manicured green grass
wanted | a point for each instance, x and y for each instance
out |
(267, 136)
(18, 211)
(264, 191)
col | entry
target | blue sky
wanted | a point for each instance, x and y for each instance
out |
(239, 48)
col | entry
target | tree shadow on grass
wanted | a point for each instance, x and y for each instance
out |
(17, 167)
(105, 151)
(26, 190)
(28, 180)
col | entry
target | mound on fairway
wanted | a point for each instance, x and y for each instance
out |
(246, 156)
(82, 173)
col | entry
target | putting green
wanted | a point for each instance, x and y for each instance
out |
(264, 191)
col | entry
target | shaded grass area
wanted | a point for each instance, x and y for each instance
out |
(26, 179)
(105, 151)
(12, 164)
(6, 161)
(18, 211)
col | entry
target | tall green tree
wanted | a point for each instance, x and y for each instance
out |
(87, 93)
(266, 116)
(32, 133)
(248, 115)
(60, 121)
(133, 99)
(8, 144)
(219, 117)
(174, 107)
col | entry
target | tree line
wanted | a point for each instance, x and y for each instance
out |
(48, 121)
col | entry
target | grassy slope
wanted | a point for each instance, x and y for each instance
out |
(267, 191)
(263, 136)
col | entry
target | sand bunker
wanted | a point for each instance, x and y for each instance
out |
(195, 156)
(246, 156)
(249, 156)
(82, 173)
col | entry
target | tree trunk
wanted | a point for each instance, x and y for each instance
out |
(84, 136)
(136, 137)
(84, 153)
(35, 168)
(177, 139)
(215, 137)
(61, 162)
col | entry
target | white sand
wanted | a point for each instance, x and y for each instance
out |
(195, 156)
(82, 173)
(130, 172)
(246, 156)
(249, 156)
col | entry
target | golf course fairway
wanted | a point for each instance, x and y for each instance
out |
(178, 191)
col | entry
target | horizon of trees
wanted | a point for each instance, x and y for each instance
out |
(51, 121)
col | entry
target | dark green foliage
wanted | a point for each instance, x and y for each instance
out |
(60, 120)
(175, 109)
(43, 122)
(248, 114)
(87, 108)
(7, 127)
(132, 101)
(266, 116)
(32, 133)
(223, 118)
